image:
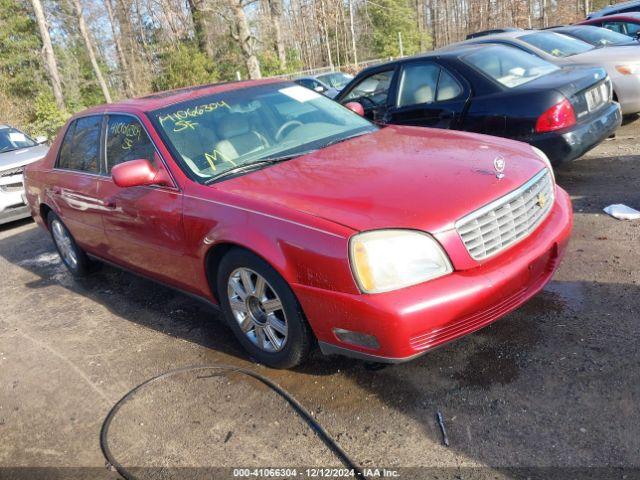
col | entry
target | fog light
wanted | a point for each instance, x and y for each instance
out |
(357, 338)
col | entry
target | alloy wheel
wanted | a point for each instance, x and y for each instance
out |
(258, 309)
(64, 243)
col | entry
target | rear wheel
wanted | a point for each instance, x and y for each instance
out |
(74, 258)
(262, 310)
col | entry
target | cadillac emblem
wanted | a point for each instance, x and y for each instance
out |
(542, 200)
(499, 163)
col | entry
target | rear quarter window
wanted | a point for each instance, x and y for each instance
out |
(80, 148)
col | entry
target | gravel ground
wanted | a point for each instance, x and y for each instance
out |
(550, 391)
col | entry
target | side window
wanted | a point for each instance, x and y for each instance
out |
(127, 140)
(80, 148)
(426, 83)
(448, 87)
(615, 26)
(418, 84)
(632, 29)
(375, 88)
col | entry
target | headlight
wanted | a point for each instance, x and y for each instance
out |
(384, 260)
(543, 156)
(629, 69)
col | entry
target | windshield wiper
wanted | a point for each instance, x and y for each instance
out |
(343, 139)
(247, 167)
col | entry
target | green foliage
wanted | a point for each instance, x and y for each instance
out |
(388, 17)
(184, 66)
(21, 70)
(47, 118)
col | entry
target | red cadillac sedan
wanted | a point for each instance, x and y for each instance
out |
(305, 223)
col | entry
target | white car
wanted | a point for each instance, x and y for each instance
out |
(16, 150)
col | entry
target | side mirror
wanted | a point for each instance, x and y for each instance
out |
(356, 107)
(136, 173)
(40, 139)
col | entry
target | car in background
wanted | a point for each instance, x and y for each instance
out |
(496, 90)
(627, 24)
(491, 32)
(596, 36)
(316, 85)
(17, 150)
(336, 80)
(621, 63)
(303, 221)
(619, 8)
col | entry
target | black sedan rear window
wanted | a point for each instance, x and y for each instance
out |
(509, 66)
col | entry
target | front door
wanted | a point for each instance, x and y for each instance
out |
(427, 95)
(143, 224)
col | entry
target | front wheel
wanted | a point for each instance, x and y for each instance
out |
(262, 310)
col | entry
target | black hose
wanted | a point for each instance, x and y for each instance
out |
(297, 407)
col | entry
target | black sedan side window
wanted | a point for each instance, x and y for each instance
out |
(375, 88)
(425, 83)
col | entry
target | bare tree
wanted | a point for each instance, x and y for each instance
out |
(275, 7)
(124, 65)
(90, 51)
(246, 41)
(50, 63)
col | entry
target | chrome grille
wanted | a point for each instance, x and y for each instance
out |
(11, 172)
(509, 219)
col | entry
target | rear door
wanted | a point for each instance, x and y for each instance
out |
(143, 224)
(428, 95)
(76, 174)
(372, 92)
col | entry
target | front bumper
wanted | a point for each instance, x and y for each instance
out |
(13, 205)
(627, 88)
(411, 321)
(568, 145)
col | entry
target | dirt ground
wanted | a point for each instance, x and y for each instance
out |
(550, 391)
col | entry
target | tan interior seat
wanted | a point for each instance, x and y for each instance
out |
(237, 137)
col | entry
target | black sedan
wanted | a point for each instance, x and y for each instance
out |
(496, 90)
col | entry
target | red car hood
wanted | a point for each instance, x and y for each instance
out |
(402, 177)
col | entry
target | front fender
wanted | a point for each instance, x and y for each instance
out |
(304, 251)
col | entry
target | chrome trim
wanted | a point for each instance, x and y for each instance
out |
(499, 204)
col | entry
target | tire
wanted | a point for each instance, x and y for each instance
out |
(257, 320)
(73, 257)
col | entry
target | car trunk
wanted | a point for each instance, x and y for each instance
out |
(588, 89)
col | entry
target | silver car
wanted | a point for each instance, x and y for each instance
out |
(16, 150)
(621, 63)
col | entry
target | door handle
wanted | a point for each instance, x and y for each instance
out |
(110, 203)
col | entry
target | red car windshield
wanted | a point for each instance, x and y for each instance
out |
(215, 134)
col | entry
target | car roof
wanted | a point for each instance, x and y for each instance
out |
(163, 99)
(613, 8)
(633, 16)
(451, 51)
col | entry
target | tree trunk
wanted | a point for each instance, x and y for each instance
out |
(124, 65)
(200, 27)
(275, 7)
(245, 40)
(92, 55)
(50, 63)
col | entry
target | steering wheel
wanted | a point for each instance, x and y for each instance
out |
(372, 103)
(285, 126)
